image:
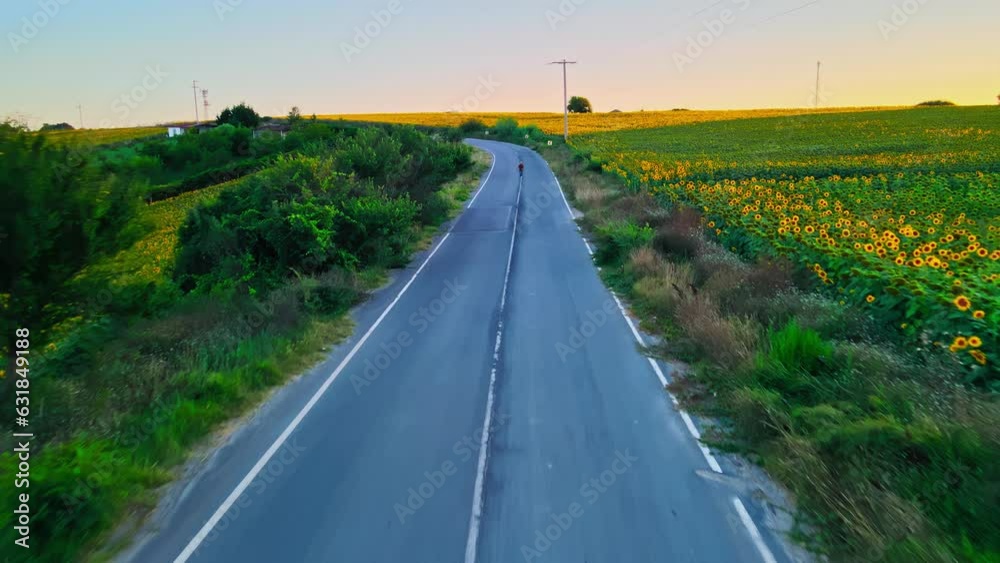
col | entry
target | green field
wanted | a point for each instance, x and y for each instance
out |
(84, 137)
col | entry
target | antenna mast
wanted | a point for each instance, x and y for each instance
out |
(194, 87)
(204, 98)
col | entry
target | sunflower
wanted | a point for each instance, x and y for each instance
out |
(975, 342)
(960, 343)
(979, 314)
(978, 356)
(962, 302)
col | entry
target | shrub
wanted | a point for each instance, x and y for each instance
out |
(769, 277)
(331, 293)
(472, 127)
(506, 127)
(671, 242)
(935, 103)
(618, 239)
(301, 215)
(436, 209)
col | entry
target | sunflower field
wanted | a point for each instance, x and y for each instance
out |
(552, 123)
(898, 211)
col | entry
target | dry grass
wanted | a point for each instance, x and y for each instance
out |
(664, 293)
(645, 262)
(589, 195)
(725, 341)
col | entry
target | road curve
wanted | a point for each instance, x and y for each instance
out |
(378, 454)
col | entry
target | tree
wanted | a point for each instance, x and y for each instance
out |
(58, 215)
(579, 104)
(240, 115)
(294, 116)
(56, 127)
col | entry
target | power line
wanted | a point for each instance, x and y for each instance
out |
(564, 63)
(786, 12)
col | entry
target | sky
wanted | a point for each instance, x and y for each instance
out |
(132, 63)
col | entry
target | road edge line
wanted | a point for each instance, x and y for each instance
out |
(488, 176)
(713, 463)
(758, 540)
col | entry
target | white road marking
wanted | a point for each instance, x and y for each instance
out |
(758, 541)
(492, 166)
(713, 463)
(566, 201)
(477, 498)
(197, 540)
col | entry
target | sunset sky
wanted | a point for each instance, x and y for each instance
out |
(131, 63)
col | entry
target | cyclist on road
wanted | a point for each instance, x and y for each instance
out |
(520, 168)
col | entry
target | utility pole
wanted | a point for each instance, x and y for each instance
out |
(80, 108)
(194, 86)
(564, 62)
(818, 65)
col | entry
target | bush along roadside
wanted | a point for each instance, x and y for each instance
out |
(890, 457)
(265, 275)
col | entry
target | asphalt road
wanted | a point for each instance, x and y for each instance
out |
(379, 454)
